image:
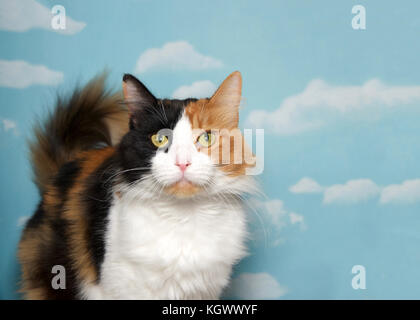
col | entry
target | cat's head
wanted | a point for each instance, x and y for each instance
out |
(185, 147)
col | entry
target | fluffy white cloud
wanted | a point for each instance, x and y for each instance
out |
(198, 89)
(296, 218)
(9, 126)
(255, 286)
(269, 218)
(321, 103)
(353, 191)
(276, 212)
(179, 55)
(22, 221)
(404, 193)
(360, 190)
(306, 185)
(278, 215)
(21, 74)
(23, 15)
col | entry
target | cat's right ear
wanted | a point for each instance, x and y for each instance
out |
(136, 95)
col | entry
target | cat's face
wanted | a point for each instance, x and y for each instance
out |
(183, 147)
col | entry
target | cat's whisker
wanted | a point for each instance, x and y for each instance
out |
(163, 111)
(124, 171)
(160, 116)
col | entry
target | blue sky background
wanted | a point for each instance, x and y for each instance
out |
(280, 47)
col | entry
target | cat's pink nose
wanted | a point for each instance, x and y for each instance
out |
(183, 166)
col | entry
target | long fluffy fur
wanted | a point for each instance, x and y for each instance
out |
(90, 117)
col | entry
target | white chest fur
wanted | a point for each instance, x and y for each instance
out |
(171, 250)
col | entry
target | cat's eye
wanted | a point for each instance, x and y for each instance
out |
(159, 140)
(206, 139)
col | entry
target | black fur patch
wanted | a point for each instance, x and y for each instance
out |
(97, 199)
(136, 148)
(66, 177)
(37, 218)
(54, 253)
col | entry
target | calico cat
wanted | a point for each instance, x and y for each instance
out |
(136, 202)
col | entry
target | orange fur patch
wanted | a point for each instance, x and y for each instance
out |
(74, 212)
(28, 255)
(183, 189)
(220, 113)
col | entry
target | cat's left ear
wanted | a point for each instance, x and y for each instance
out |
(226, 100)
(136, 95)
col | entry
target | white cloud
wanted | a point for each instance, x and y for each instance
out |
(321, 103)
(179, 55)
(360, 190)
(22, 221)
(9, 126)
(353, 191)
(295, 218)
(405, 193)
(23, 15)
(272, 218)
(306, 185)
(258, 286)
(198, 89)
(276, 212)
(278, 216)
(21, 74)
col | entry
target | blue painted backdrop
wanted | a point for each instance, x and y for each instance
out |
(340, 108)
